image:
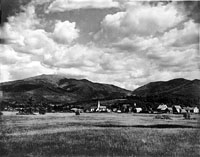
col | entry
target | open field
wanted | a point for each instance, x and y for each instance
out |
(98, 134)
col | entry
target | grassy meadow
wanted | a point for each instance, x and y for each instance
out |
(98, 134)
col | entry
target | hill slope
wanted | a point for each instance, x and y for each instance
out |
(184, 91)
(59, 89)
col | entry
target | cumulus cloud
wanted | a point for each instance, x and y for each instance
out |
(139, 20)
(63, 5)
(9, 56)
(14, 29)
(65, 32)
(24, 35)
(183, 37)
(24, 42)
(78, 56)
(147, 21)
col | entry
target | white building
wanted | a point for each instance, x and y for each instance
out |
(196, 110)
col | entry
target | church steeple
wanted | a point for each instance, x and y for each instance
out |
(98, 105)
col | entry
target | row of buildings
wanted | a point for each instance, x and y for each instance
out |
(163, 108)
(127, 108)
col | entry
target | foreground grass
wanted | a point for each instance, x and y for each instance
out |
(86, 140)
(105, 142)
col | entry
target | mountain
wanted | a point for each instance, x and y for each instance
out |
(55, 88)
(174, 91)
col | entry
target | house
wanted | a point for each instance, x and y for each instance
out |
(119, 111)
(109, 110)
(195, 110)
(93, 109)
(176, 109)
(137, 109)
(77, 110)
(162, 108)
(74, 109)
(114, 109)
(190, 109)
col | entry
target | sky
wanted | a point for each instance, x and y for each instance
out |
(122, 42)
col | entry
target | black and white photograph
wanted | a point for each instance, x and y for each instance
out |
(99, 78)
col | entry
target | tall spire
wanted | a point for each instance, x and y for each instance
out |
(98, 105)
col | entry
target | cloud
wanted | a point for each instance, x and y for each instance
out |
(13, 30)
(65, 32)
(10, 8)
(25, 70)
(138, 45)
(24, 33)
(139, 20)
(22, 70)
(183, 37)
(63, 5)
(4, 73)
(9, 56)
(190, 8)
(175, 59)
(40, 2)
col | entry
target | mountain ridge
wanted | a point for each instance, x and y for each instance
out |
(179, 90)
(59, 88)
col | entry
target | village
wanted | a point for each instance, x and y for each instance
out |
(99, 108)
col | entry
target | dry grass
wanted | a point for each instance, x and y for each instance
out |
(97, 135)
